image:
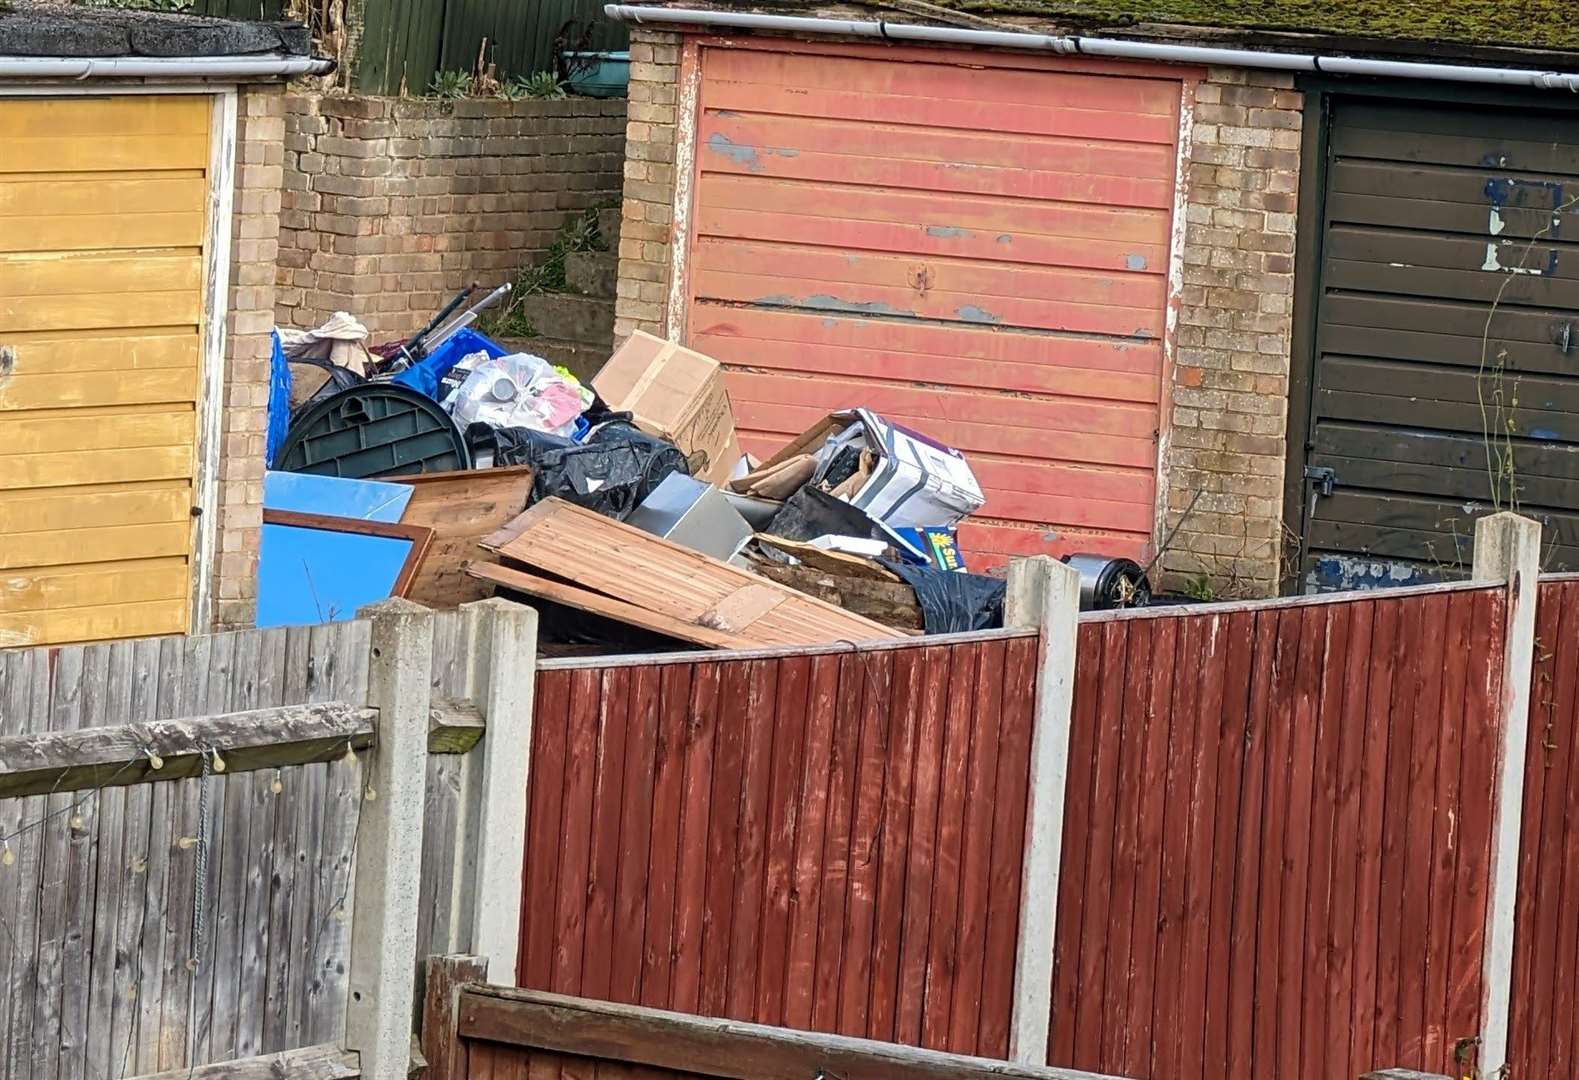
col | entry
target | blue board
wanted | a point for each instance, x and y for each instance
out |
(308, 576)
(335, 496)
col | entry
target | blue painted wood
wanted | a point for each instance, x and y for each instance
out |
(336, 496)
(308, 576)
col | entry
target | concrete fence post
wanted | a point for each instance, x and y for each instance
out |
(1043, 594)
(383, 973)
(501, 644)
(1507, 549)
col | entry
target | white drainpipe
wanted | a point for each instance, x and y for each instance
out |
(1070, 45)
(156, 67)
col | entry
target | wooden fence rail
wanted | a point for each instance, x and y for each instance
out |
(476, 1030)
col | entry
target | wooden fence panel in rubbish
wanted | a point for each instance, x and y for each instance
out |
(823, 839)
(100, 894)
(1544, 1026)
(1277, 838)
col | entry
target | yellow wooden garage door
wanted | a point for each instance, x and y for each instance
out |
(102, 226)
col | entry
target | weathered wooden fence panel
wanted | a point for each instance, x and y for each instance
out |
(152, 927)
(825, 840)
(1278, 838)
(1545, 1022)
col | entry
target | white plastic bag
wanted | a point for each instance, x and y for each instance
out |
(519, 390)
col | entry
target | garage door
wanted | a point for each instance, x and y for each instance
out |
(102, 217)
(975, 247)
(1447, 339)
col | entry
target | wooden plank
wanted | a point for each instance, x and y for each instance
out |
(981, 777)
(1243, 1004)
(942, 941)
(607, 802)
(1012, 805)
(120, 756)
(1151, 841)
(581, 738)
(722, 837)
(756, 791)
(814, 795)
(676, 582)
(668, 789)
(1078, 834)
(1179, 836)
(441, 1045)
(893, 843)
(515, 580)
(1395, 909)
(461, 508)
(676, 1043)
(1128, 796)
(325, 1062)
(1341, 961)
(790, 721)
(1445, 847)
(837, 858)
(1295, 879)
(1278, 751)
(636, 829)
(1384, 668)
(550, 740)
(702, 728)
(866, 825)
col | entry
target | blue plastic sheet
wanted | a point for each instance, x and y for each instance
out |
(279, 401)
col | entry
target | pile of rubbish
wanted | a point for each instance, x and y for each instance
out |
(446, 468)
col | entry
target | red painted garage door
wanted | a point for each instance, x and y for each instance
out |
(974, 245)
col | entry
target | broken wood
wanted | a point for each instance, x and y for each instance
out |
(680, 585)
(597, 604)
(461, 508)
(59, 761)
(326, 1062)
(892, 603)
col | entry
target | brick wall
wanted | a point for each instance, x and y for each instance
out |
(391, 205)
(255, 229)
(647, 217)
(1230, 380)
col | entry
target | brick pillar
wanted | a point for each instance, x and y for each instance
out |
(1230, 379)
(255, 226)
(647, 220)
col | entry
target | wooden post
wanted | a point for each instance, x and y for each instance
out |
(501, 639)
(379, 1013)
(1045, 594)
(440, 1039)
(1507, 549)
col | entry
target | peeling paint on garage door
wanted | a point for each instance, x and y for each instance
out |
(974, 245)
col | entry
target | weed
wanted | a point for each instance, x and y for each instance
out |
(450, 85)
(1199, 588)
(544, 86)
(548, 276)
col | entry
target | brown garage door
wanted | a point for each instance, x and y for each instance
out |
(1446, 340)
(975, 245)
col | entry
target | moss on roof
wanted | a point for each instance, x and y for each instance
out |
(1531, 24)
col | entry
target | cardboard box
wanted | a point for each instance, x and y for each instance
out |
(904, 480)
(675, 394)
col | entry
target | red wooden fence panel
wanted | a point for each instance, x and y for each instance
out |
(1544, 1024)
(1278, 837)
(827, 841)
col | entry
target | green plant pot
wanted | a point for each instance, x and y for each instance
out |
(601, 74)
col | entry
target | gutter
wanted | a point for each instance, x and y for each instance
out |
(1114, 48)
(156, 67)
